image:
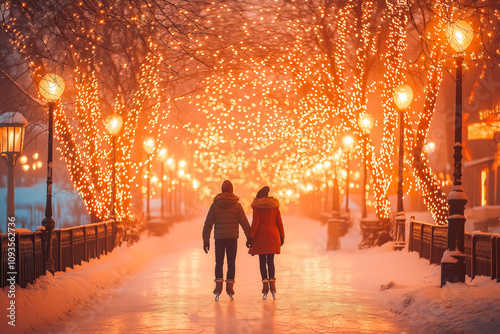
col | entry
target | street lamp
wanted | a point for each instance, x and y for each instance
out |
(365, 124)
(148, 145)
(12, 128)
(403, 95)
(162, 156)
(327, 165)
(181, 174)
(171, 167)
(459, 35)
(113, 124)
(51, 88)
(349, 143)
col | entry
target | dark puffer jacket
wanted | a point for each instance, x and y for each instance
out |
(227, 214)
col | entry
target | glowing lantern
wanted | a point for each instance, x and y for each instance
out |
(365, 122)
(148, 144)
(51, 87)
(113, 124)
(403, 95)
(459, 35)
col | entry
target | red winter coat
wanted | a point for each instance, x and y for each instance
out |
(267, 227)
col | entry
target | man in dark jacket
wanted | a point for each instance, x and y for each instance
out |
(226, 213)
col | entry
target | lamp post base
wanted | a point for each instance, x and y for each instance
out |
(49, 225)
(453, 272)
(400, 231)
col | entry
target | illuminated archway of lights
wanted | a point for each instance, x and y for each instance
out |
(273, 119)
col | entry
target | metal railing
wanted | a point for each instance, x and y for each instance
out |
(70, 246)
(482, 250)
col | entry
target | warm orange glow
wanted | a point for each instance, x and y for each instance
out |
(403, 95)
(148, 144)
(113, 124)
(51, 87)
(460, 35)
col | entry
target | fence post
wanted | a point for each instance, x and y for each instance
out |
(62, 267)
(97, 241)
(106, 238)
(85, 246)
(473, 257)
(498, 258)
(493, 257)
(115, 232)
(44, 260)
(431, 244)
(410, 236)
(33, 240)
(72, 249)
(421, 239)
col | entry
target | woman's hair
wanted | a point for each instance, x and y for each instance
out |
(264, 192)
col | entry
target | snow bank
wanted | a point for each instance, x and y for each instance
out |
(470, 307)
(410, 287)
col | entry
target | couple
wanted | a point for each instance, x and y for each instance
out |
(264, 237)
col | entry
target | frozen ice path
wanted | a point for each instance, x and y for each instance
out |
(318, 292)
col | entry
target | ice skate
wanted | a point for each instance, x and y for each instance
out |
(265, 288)
(218, 288)
(229, 288)
(272, 287)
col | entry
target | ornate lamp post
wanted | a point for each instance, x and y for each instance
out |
(51, 88)
(403, 95)
(113, 124)
(162, 156)
(459, 36)
(148, 145)
(12, 128)
(365, 124)
(181, 173)
(335, 187)
(349, 143)
(171, 167)
(327, 165)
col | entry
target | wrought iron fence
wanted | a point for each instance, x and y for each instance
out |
(482, 250)
(70, 246)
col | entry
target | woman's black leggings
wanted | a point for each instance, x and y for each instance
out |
(266, 264)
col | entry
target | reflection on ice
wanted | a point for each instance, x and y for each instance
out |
(173, 294)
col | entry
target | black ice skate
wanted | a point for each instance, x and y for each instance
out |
(265, 288)
(272, 287)
(218, 287)
(229, 288)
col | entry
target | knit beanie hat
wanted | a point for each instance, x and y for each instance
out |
(227, 186)
(264, 192)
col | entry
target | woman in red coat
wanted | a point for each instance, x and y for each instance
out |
(266, 237)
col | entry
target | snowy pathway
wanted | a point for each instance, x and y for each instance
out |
(317, 292)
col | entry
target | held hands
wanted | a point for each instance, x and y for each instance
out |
(206, 246)
(249, 242)
(282, 241)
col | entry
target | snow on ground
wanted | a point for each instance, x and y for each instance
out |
(51, 297)
(164, 284)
